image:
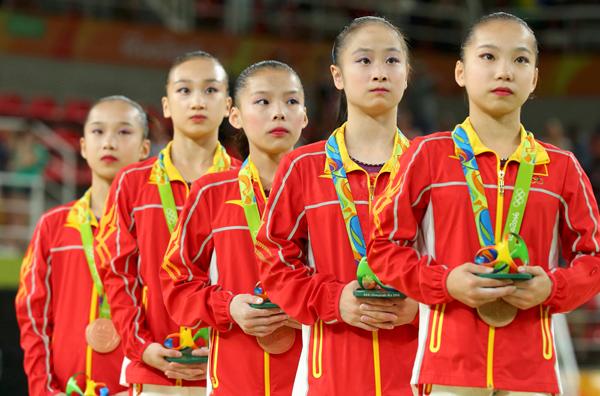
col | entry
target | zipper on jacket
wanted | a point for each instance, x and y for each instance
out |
(501, 182)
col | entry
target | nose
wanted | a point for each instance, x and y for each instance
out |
(278, 113)
(198, 102)
(504, 71)
(378, 72)
(110, 141)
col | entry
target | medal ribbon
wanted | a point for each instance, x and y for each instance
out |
(221, 162)
(247, 174)
(342, 186)
(87, 238)
(483, 223)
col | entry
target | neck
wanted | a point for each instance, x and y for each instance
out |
(100, 188)
(266, 164)
(371, 139)
(500, 134)
(193, 157)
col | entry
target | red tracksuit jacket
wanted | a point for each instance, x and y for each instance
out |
(210, 259)
(129, 248)
(305, 260)
(429, 201)
(53, 308)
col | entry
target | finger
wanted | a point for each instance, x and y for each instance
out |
(197, 378)
(172, 353)
(364, 326)
(533, 270)
(181, 367)
(384, 302)
(201, 352)
(378, 317)
(257, 312)
(516, 302)
(493, 293)
(181, 375)
(365, 308)
(382, 325)
(476, 268)
(265, 329)
(490, 282)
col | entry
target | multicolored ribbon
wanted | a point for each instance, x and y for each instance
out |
(342, 186)
(483, 222)
(246, 176)
(84, 213)
(221, 162)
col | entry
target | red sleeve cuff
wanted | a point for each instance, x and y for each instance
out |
(336, 302)
(444, 288)
(553, 294)
(228, 304)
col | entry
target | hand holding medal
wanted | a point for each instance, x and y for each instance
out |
(280, 340)
(371, 286)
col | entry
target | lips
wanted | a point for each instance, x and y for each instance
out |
(502, 91)
(380, 90)
(279, 131)
(198, 118)
(108, 158)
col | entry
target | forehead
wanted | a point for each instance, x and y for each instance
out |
(198, 69)
(503, 34)
(112, 111)
(275, 81)
(374, 36)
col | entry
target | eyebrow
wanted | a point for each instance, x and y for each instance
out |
(364, 49)
(209, 80)
(103, 122)
(492, 46)
(294, 91)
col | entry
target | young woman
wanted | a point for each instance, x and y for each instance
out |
(312, 239)
(214, 243)
(60, 299)
(459, 191)
(140, 214)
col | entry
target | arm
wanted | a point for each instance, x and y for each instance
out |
(580, 238)
(395, 219)
(34, 313)
(189, 298)
(116, 259)
(288, 281)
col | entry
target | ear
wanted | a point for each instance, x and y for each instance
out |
(459, 73)
(145, 150)
(165, 106)
(336, 73)
(228, 107)
(535, 80)
(407, 74)
(82, 147)
(305, 121)
(235, 118)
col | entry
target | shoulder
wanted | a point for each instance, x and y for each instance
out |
(435, 140)
(309, 154)
(138, 171)
(555, 153)
(216, 180)
(235, 163)
(58, 214)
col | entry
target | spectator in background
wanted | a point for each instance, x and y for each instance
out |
(555, 135)
(29, 157)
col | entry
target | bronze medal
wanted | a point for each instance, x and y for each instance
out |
(497, 313)
(102, 336)
(279, 341)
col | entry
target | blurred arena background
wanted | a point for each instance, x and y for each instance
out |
(59, 56)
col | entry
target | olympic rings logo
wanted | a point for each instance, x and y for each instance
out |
(171, 215)
(518, 198)
(537, 179)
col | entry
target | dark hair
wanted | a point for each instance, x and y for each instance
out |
(195, 54)
(240, 139)
(143, 116)
(497, 16)
(339, 45)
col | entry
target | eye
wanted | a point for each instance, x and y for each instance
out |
(124, 132)
(364, 61)
(97, 130)
(522, 59)
(393, 60)
(293, 101)
(487, 56)
(183, 90)
(261, 102)
(211, 90)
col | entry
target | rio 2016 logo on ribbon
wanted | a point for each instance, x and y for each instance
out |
(519, 198)
(172, 216)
